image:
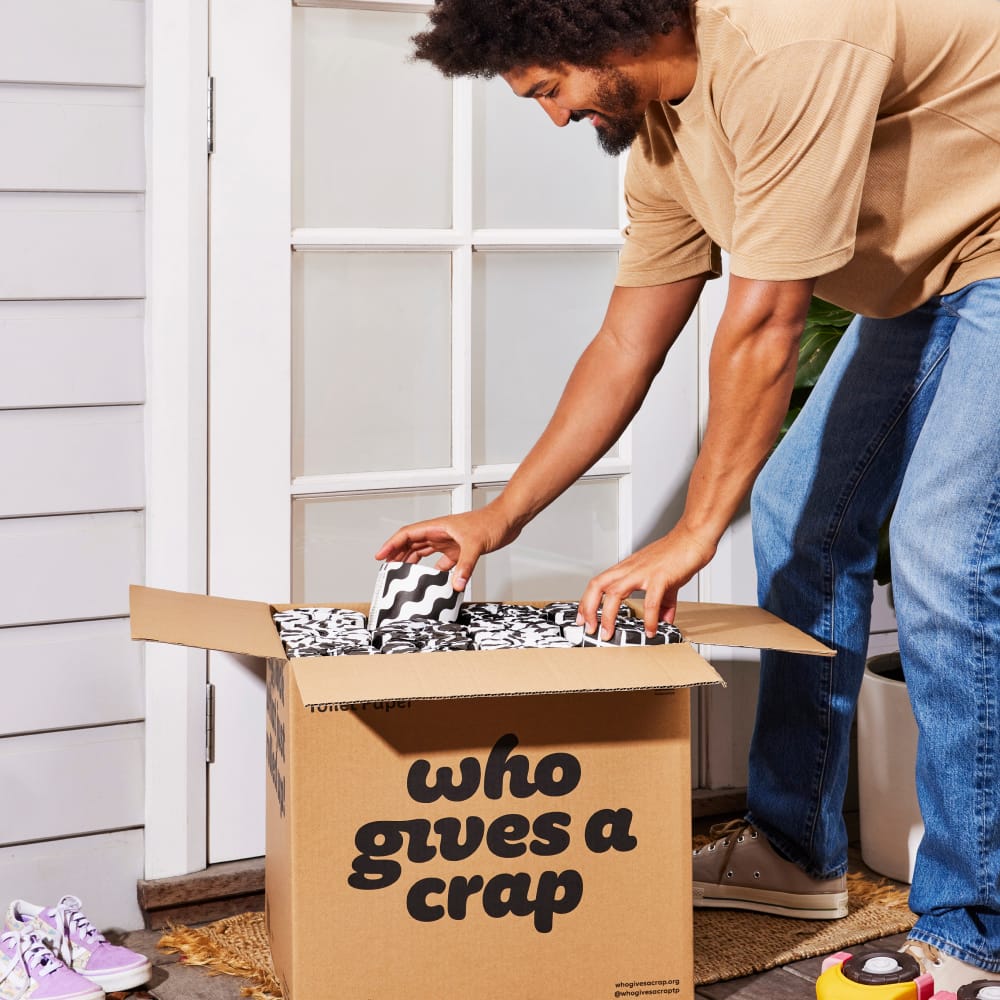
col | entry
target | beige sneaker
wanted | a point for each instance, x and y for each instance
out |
(952, 974)
(742, 871)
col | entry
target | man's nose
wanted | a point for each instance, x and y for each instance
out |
(560, 116)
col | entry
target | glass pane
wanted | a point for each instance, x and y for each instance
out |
(371, 130)
(556, 556)
(334, 541)
(371, 362)
(528, 173)
(533, 314)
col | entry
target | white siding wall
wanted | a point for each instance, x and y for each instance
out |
(71, 443)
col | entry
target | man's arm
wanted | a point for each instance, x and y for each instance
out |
(751, 375)
(604, 391)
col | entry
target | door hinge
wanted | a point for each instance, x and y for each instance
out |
(211, 115)
(210, 723)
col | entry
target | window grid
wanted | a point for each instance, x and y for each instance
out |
(462, 240)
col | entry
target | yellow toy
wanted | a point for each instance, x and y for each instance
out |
(878, 975)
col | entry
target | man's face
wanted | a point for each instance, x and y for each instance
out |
(608, 97)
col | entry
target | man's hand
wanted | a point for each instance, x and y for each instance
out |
(460, 539)
(661, 569)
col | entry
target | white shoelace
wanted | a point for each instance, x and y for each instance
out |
(32, 954)
(70, 918)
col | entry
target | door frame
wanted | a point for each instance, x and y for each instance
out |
(176, 420)
(177, 342)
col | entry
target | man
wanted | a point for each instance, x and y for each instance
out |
(851, 149)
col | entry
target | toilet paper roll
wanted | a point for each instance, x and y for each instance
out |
(407, 590)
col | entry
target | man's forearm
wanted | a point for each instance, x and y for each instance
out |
(604, 392)
(751, 376)
(600, 398)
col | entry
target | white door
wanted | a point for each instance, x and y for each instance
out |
(403, 271)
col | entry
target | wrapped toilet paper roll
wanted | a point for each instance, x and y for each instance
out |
(408, 590)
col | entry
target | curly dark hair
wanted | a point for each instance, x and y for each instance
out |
(489, 37)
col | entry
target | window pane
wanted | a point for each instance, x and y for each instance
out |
(559, 552)
(533, 314)
(371, 361)
(334, 541)
(371, 130)
(528, 173)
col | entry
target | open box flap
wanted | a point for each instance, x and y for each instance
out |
(498, 673)
(203, 622)
(741, 625)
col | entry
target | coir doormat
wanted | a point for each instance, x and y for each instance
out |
(733, 943)
(727, 943)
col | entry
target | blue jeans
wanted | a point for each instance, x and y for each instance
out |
(907, 412)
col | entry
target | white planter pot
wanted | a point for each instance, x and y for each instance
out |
(891, 827)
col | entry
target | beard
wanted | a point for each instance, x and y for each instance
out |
(618, 95)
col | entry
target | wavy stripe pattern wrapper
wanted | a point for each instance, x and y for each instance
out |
(408, 590)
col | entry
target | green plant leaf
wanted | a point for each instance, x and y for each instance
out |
(825, 325)
(823, 312)
(817, 346)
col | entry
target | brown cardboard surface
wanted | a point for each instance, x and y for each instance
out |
(743, 626)
(203, 622)
(278, 867)
(501, 672)
(475, 924)
(585, 888)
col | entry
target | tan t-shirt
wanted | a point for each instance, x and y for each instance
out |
(855, 140)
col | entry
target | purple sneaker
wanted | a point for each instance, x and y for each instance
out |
(75, 940)
(29, 971)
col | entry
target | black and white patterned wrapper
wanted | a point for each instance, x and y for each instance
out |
(337, 632)
(628, 634)
(562, 612)
(497, 640)
(408, 590)
(322, 632)
(329, 647)
(309, 617)
(422, 635)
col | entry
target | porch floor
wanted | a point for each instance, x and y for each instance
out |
(172, 980)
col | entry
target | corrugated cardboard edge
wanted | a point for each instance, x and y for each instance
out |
(203, 622)
(499, 673)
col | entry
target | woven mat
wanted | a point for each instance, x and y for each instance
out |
(733, 943)
(727, 943)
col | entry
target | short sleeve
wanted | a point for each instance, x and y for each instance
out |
(663, 243)
(799, 120)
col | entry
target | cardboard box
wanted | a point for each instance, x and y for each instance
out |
(485, 825)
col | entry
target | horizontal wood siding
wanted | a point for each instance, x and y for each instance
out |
(90, 673)
(71, 353)
(72, 389)
(71, 246)
(79, 781)
(59, 569)
(71, 138)
(94, 42)
(84, 459)
(43, 873)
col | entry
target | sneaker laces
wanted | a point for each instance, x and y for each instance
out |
(727, 834)
(32, 953)
(70, 918)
